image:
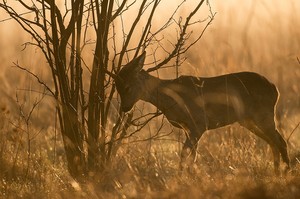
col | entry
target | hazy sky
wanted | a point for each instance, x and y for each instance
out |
(267, 21)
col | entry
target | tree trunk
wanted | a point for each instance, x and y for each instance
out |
(73, 142)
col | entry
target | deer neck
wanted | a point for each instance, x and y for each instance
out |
(152, 91)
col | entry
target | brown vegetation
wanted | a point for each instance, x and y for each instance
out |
(261, 37)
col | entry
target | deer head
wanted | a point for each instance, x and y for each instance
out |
(128, 84)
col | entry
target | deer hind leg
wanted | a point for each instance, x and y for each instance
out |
(279, 146)
(282, 147)
(269, 128)
(250, 125)
(278, 142)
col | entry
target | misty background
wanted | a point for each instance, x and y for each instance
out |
(261, 36)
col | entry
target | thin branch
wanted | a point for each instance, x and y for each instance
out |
(211, 18)
(180, 41)
(293, 132)
(35, 76)
(147, 28)
(137, 19)
(121, 9)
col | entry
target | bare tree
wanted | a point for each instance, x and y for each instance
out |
(107, 29)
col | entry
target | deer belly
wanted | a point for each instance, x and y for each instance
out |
(221, 115)
(208, 111)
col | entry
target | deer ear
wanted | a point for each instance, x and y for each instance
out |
(135, 65)
(141, 60)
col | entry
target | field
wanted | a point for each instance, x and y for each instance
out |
(260, 36)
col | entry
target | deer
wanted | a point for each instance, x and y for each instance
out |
(198, 104)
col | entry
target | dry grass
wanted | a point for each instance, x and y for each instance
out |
(232, 163)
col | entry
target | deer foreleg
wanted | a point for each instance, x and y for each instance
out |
(188, 153)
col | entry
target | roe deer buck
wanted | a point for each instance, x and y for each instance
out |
(197, 104)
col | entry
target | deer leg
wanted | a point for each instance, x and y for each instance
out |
(283, 149)
(189, 152)
(269, 129)
(280, 145)
(276, 156)
(250, 125)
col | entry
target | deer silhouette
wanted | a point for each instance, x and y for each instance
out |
(197, 104)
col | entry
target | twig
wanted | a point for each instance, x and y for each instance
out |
(180, 41)
(36, 77)
(293, 131)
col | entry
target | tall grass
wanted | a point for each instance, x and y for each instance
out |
(261, 36)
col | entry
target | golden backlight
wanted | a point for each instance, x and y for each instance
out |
(261, 36)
